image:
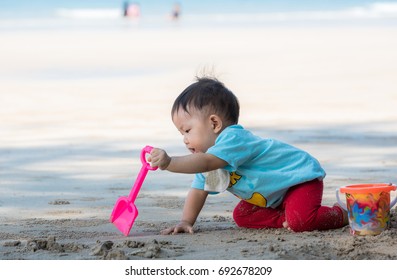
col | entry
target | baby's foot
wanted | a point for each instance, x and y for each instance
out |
(285, 225)
(344, 212)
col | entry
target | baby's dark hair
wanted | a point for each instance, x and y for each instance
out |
(209, 94)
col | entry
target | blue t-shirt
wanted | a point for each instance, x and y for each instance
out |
(261, 170)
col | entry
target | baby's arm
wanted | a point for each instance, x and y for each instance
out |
(194, 163)
(193, 205)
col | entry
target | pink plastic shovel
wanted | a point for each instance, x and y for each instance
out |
(124, 211)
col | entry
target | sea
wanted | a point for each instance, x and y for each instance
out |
(108, 14)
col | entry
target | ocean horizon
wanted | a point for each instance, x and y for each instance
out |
(47, 14)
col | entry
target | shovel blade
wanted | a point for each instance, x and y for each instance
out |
(124, 215)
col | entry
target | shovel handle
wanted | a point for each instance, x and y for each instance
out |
(147, 150)
(142, 174)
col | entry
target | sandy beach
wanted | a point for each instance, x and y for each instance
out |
(78, 106)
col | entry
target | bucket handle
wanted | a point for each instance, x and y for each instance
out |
(343, 205)
(393, 202)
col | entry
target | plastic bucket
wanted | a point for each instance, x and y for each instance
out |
(368, 207)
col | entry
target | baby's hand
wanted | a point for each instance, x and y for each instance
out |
(182, 227)
(159, 157)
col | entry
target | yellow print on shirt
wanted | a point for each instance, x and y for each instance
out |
(256, 198)
(234, 178)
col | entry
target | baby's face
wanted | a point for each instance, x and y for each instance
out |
(197, 130)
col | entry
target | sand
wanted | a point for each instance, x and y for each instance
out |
(78, 106)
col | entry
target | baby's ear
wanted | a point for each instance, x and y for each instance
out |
(216, 123)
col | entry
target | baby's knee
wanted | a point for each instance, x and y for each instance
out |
(240, 214)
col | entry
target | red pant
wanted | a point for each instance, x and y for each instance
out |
(301, 208)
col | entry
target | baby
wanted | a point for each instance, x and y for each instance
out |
(279, 185)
